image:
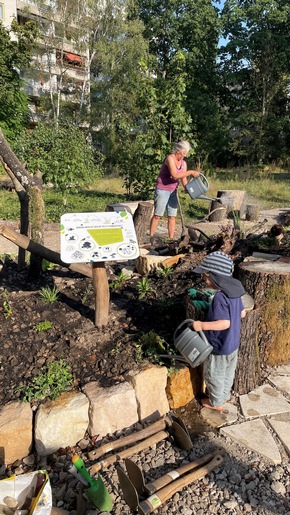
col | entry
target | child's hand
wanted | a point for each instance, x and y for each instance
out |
(197, 325)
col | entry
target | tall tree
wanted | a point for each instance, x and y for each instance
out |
(190, 27)
(15, 44)
(255, 67)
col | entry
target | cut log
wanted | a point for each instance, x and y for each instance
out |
(252, 212)
(217, 213)
(248, 372)
(141, 219)
(233, 200)
(268, 282)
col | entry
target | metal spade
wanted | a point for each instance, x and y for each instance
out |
(157, 499)
(136, 475)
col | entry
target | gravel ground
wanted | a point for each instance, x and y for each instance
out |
(243, 483)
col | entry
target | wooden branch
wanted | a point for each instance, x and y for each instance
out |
(17, 168)
(54, 257)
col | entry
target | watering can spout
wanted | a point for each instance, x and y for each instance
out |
(211, 198)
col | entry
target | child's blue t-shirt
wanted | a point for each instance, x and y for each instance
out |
(223, 308)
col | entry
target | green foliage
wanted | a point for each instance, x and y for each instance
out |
(62, 155)
(7, 308)
(119, 281)
(165, 304)
(43, 326)
(87, 293)
(15, 44)
(54, 379)
(164, 271)
(49, 294)
(151, 344)
(144, 288)
(47, 265)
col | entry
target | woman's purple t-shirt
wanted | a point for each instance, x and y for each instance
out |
(223, 308)
(164, 179)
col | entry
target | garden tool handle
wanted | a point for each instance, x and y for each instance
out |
(154, 501)
(180, 471)
(152, 440)
(134, 437)
(203, 177)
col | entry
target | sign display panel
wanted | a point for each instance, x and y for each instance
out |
(92, 237)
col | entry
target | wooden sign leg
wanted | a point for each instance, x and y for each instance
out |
(102, 295)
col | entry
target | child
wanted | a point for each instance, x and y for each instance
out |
(222, 327)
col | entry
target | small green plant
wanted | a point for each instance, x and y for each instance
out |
(47, 265)
(43, 326)
(151, 344)
(164, 271)
(88, 291)
(171, 370)
(144, 288)
(119, 281)
(54, 379)
(6, 305)
(49, 294)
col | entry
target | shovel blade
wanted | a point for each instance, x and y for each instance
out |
(129, 491)
(136, 476)
(181, 437)
(99, 495)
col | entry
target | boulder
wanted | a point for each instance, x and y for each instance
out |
(15, 432)
(111, 409)
(61, 423)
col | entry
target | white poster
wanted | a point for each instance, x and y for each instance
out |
(91, 237)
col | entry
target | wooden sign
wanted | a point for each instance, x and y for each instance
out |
(96, 238)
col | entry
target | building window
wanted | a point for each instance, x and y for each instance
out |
(1, 11)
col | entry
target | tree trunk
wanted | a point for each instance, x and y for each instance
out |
(248, 372)
(268, 282)
(32, 185)
(233, 200)
(141, 219)
(54, 257)
(36, 218)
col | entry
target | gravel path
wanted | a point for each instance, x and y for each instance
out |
(243, 483)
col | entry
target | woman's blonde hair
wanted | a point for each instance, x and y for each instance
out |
(181, 146)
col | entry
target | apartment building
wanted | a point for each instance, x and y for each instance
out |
(57, 68)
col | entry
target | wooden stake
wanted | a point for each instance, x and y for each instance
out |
(102, 295)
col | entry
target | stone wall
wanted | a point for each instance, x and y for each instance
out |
(142, 395)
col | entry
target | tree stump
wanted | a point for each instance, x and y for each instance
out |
(248, 372)
(233, 200)
(141, 219)
(252, 212)
(268, 282)
(218, 212)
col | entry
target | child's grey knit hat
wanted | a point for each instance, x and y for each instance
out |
(220, 268)
(217, 262)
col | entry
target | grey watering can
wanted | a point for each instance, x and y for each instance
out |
(193, 346)
(197, 186)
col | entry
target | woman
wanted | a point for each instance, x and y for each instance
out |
(173, 169)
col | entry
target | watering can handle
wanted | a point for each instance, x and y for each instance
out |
(187, 321)
(204, 179)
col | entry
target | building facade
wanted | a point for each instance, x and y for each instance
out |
(59, 69)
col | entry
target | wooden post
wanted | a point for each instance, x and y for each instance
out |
(102, 295)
